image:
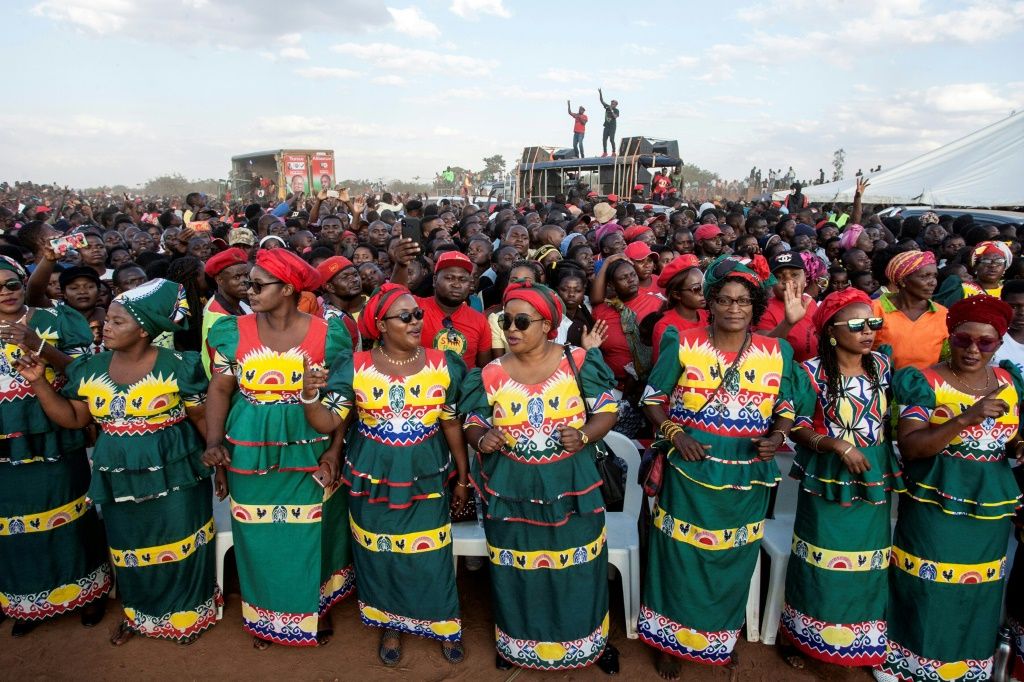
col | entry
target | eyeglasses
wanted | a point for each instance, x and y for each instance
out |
(13, 285)
(726, 302)
(522, 321)
(693, 289)
(991, 261)
(985, 344)
(857, 324)
(406, 316)
(257, 287)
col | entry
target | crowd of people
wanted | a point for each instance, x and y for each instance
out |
(353, 375)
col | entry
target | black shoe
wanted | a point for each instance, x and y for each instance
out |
(500, 663)
(23, 627)
(92, 614)
(609, 660)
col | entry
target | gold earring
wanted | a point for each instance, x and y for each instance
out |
(832, 341)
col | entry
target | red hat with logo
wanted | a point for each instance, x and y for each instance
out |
(332, 266)
(454, 259)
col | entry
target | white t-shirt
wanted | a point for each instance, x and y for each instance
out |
(1010, 350)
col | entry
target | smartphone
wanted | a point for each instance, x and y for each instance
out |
(199, 225)
(343, 194)
(61, 245)
(320, 476)
(411, 229)
(333, 193)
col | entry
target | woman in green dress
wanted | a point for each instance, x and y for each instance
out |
(721, 396)
(536, 439)
(147, 473)
(837, 581)
(288, 524)
(52, 558)
(949, 547)
(398, 460)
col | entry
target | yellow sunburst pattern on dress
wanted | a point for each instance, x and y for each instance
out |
(422, 395)
(265, 374)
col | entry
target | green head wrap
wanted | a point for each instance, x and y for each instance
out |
(158, 306)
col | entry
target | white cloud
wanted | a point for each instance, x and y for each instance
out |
(473, 9)
(564, 75)
(325, 72)
(390, 79)
(412, 22)
(967, 98)
(738, 101)
(293, 53)
(397, 58)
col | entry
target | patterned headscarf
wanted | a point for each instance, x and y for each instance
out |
(547, 303)
(813, 266)
(725, 267)
(12, 265)
(998, 249)
(158, 306)
(905, 264)
(377, 307)
(848, 239)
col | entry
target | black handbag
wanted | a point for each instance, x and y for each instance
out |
(613, 479)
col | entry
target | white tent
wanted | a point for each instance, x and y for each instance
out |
(983, 169)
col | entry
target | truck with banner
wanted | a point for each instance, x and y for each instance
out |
(277, 173)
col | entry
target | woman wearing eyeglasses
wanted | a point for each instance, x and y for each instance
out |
(290, 534)
(837, 581)
(685, 308)
(398, 461)
(989, 261)
(535, 438)
(958, 428)
(914, 325)
(723, 404)
(52, 559)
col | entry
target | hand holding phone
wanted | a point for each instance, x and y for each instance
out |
(343, 194)
(333, 193)
(199, 225)
(61, 245)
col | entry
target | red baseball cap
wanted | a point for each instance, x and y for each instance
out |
(591, 194)
(332, 266)
(676, 266)
(638, 251)
(612, 198)
(43, 209)
(454, 259)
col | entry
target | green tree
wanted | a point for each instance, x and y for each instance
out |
(494, 166)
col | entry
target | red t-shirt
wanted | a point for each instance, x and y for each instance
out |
(581, 123)
(616, 348)
(802, 336)
(677, 321)
(467, 334)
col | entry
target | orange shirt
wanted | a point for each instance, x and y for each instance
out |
(915, 343)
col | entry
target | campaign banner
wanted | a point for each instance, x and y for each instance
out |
(322, 170)
(295, 172)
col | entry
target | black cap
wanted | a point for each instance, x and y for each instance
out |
(78, 272)
(786, 259)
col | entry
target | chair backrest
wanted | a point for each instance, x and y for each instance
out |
(624, 448)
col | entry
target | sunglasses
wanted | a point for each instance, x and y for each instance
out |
(407, 316)
(857, 324)
(986, 344)
(522, 321)
(13, 285)
(693, 289)
(257, 287)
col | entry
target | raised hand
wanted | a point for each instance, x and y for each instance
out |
(314, 378)
(989, 407)
(593, 338)
(793, 303)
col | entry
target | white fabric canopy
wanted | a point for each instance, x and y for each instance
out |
(983, 169)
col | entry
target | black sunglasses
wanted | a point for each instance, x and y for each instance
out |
(522, 321)
(13, 285)
(406, 316)
(257, 287)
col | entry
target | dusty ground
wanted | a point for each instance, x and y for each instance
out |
(63, 650)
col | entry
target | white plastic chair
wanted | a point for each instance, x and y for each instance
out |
(623, 535)
(225, 540)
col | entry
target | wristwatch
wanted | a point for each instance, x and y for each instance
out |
(583, 437)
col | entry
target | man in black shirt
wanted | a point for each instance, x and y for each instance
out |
(611, 116)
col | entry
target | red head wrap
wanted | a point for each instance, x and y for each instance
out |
(905, 264)
(677, 266)
(225, 259)
(980, 308)
(546, 301)
(997, 249)
(632, 233)
(289, 268)
(835, 302)
(377, 307)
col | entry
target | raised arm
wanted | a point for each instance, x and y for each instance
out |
(858, 197)
(600, 96)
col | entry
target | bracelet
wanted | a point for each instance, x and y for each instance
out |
(315, 399)
(845, 452)
(667, 425)
(816, 441)
(583, 437)
(780, 432)
(460, 484)
(478, 441)
(42, 342)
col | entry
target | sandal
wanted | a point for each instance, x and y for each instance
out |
(260, 644)
(93, 613)
(791, 655)
(390, 655)
(122, 633)
(188, 641)
(734, 661)
(668, 666)
(325, 630)
(453, 652)
(609, 660)
(501, 663)
(23, 627)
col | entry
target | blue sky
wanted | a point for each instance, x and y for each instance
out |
(118, 91)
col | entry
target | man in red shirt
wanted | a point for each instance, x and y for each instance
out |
(790, 310)
(579, 128)
(448, 322)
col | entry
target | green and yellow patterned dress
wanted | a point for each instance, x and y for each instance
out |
(837, 584)
(291, 544)
(52, 558)
(949, 548)
(397, 464)
(545, 514)
(155, 493)
(709, 517)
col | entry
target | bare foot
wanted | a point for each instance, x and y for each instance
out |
(791, 655)
(122, 633)
(668, 666)
(260, 644)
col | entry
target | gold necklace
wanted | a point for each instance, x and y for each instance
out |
(988, 381)
(400, 363)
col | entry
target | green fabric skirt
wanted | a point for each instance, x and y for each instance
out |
(52, 558)
(292, 549)
(945, 593)
(403, 558)
(837, 581)
(549, 587)
(703, 549)
(164, 555)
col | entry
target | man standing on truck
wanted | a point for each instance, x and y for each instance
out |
(611, 117)
(579, 128)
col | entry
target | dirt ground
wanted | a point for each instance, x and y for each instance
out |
(62, 649)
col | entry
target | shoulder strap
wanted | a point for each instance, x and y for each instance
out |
(728, 370)
(576, 375)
